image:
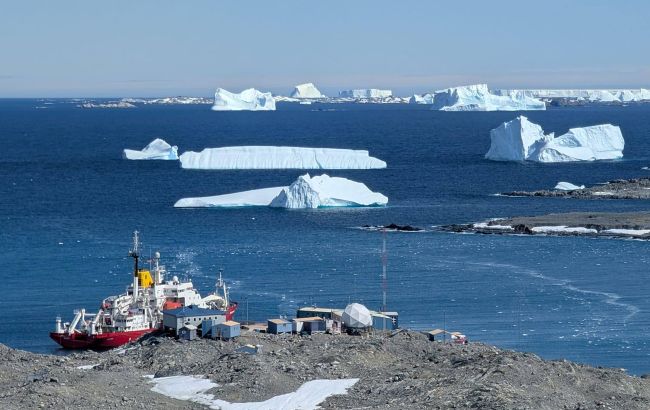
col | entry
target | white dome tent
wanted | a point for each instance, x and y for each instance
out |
(357, 317)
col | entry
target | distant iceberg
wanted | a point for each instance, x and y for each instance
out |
(156, 149)
(522, 140)
(307, 90)
(479, 98)
(270, 157)
(594, 95)
(567, 186)
(368, 93)
(247, 100)
(305, 192)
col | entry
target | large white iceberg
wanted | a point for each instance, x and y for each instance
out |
(594, 95)
(307, 90)
(521, 140)
(306, 192)
(479, 98)
(247, 100)
(270, 157)
(370, 93)
(156, 149)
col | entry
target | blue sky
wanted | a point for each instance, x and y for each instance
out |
(155, 48)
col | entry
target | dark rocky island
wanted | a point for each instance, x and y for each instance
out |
(638, 188)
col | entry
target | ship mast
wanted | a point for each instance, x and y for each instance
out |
(135, 254)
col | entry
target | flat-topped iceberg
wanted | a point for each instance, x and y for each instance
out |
(594, 95)
(305, 192)
(306, 91)
(156, 149)
(522, 140)
(479, 98)
(369, 93)
(247, 100)
(270, 157)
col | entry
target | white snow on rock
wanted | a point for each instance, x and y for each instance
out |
(630, 232)
(247, 100)
(369, 93)
(194, 389)
(595, 96)
(270, 157)
(479, 98)
(562, 229)
(324, 191)
(567, 186)
(522, 140)
(307, 90)
(306, 192)
(156, 149)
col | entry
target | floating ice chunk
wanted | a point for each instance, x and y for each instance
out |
(520, 140)
(324, 191)
(306, 192)
(247, 100)
(567, 186)
(156, 149)
(255, 197)
(307, 90)
(479, 98)
(369, 93)
(269, 157)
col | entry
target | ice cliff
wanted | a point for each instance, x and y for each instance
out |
(306, 91)
(247, 100)
(156, 149)
(521, 140)
(270, 157)
(479, 98)
(305, 192)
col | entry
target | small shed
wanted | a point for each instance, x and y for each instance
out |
(226, 330)
(435, 333)
(279, 326)
(187, 332)
(309, 325)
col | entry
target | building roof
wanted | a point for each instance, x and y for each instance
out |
(230, 323)
(436, 332)
(279, 321)
(320, 309)
(191, 311)
(307, 319)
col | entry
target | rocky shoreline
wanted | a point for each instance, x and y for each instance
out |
(403, 371)
(637, 188)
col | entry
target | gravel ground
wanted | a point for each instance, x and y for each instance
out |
(404, 371)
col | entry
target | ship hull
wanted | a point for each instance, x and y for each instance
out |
(98, 341)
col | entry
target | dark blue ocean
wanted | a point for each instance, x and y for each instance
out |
(69, 204)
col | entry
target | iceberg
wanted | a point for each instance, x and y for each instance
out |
(567, 186)
(421, 99)
(156, 149)
(270, 157)
(305, 192)
(307, 90)
(522, 140)
(247, 100)
(369, 93)
(593, 95)
(479, 98)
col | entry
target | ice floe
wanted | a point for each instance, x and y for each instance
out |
(307, 90)
(156, 149)
(479, 98)
(567, 186)
(306, 192)
(522, 140)
(247, 100)
(270, 157)
(194, 389)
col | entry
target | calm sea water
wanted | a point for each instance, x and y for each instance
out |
(69, 204)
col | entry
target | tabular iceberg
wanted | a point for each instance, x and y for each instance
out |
(306, 192)
(269, 157)
(247, 100)
(596, 96)
(521, 140)
(479, 98)
(307, 90)
(370, 93)
(156, 149)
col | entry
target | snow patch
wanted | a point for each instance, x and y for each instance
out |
(156, 149)
(193, 388)
(631, 232)
(568, 186)
(562, 229)
(270, 157)
(247, 100)
(521, 140)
